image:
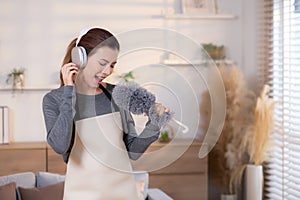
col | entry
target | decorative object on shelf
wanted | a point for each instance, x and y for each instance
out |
(199, 6)
(193, 10)
(4, 125)
(164, 137)
(166, 134)
(16, 78)
(216, 52)
(227, 158)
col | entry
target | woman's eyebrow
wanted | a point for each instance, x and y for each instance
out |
(104, 60)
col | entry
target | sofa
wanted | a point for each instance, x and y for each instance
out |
(46, 185)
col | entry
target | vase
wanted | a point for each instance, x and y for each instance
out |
(253, 182)
(19, 81)
(228, 197)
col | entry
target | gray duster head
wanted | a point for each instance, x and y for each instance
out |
(132, 97)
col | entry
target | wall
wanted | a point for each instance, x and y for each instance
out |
(35, 34)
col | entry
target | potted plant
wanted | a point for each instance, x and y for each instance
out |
(16, 77)
(164, 137)
(257, 143)
(246, 139)
(216, 52)
(166, 134)
(227, 158)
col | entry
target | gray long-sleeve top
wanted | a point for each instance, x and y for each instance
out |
(62, 106)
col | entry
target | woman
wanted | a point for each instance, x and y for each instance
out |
(84, 126)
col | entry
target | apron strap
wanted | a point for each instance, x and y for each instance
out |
(108, 95)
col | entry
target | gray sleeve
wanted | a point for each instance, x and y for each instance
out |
(137, 144)
(58, 116)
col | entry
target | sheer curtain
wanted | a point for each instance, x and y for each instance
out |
(280, 68)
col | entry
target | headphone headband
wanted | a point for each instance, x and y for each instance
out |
(83, 32)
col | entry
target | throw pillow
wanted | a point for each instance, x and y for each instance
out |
(46, 178)
(8, 191)
(24, 179)
(50, 192)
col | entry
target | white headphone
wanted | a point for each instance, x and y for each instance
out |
(78, 53)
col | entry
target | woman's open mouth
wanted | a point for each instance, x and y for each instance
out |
(98, 79)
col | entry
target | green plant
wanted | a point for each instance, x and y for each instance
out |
(216, 52)
(16, 78)
(164, 136)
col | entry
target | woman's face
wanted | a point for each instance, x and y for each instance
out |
(99, 65)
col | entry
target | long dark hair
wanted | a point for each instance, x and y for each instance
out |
(92, 40)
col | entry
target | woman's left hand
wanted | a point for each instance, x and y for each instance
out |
(160, 109)
(160, 115)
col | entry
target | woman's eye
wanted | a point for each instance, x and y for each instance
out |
(102, 64)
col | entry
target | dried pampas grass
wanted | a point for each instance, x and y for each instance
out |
(246, 137)
(258, 139)
(226, 158)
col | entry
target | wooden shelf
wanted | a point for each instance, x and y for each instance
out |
(28, 89)
(197, 16)
(173, 62)
(23, 145)
(178, 142)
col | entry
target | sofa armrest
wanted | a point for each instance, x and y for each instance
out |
(157, 194)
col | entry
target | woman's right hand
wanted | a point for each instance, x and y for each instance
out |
(69, 72)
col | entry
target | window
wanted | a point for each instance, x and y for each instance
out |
(280, 68)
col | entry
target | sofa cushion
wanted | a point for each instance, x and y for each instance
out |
(26, 179)
(49, 192)
(47, 178)
(8, 191)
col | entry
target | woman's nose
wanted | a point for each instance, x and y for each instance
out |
(107, 70)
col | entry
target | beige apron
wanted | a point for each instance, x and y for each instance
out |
(99, 166)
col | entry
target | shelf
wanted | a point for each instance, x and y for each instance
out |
(198, 16)
(173, 62)
(29, 89)
(23, 145)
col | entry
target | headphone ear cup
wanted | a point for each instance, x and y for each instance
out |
(78, 56)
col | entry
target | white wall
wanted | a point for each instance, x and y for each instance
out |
(35, 34)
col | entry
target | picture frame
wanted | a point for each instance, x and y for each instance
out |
(199, 6)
